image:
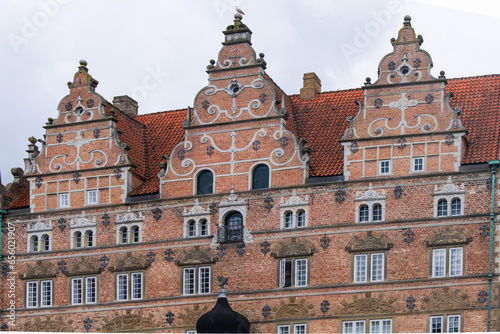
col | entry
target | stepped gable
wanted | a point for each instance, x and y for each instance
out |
(163, 131)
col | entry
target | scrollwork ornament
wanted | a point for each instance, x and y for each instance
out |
(410, 303)
(157, 213)
(262, 97)
(87, 323)
(484, 231)
(284, 141)
(38, 181)
(482, 296)
(150, 258)
(169, 252)
(354, 147)
(325, 241)
(210, 150)
(256, 145)
(62, 266)
(205, 104)
(170, 317)
(181, 154)
(408, 236)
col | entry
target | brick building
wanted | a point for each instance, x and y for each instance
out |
(363, 210)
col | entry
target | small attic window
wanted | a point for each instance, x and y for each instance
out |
(405, 70)
(234, 89)
(79, 111)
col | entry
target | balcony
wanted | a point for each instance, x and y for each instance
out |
(227, 234)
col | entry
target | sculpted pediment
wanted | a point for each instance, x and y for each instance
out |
(369, 243)
(40, 270)
(84, 266)
(294, 248)
(368, 305)
(196, 256)
(128, 262)
(445, 299)
(448, 236)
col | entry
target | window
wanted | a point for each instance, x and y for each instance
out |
(442, 208)
(135, 234)
(449, 200)
(368, 268)
(288, 219)
(89, 238)
(453, 256)
(78, 239)
(375, 326)
(91, 197)
(301, 218)
(205, 183)
(34, 243)
(192, 229)
(377, 212)
(297, 329)
(198, 227)
(260, 177)
(203, 227)
(124, 234)
(418, 164)
(45, 242)
(196, 280)
(85, 239)
(232, 231)
(364, 214)
(368, 214)
(292, 273)
(385, 167)
(456, 207)
(38, 293)
(129, 285)
(293, 219)
(63, 200)
(84, 290)
(437, 324)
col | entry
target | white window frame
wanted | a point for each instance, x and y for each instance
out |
(297, 329)
(365, 274)
(446, 269)
(129, 280)
(40, 293)
(382, 168)
(298, 278)
(418, 162)
(445, 322)
(92, 197)
(362, 324)
(369, 198)
(30, 301)
(88, 289)
(449, 192)
(63, 200)
(77, 297)
(197, 280)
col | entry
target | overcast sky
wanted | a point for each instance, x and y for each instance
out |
(156, 51)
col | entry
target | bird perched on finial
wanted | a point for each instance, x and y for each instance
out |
(239, 10)
(239, 14)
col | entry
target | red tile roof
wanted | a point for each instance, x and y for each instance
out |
(322, 122)
(23, 201)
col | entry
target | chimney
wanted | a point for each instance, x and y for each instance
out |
(312, 86)
(126, 104)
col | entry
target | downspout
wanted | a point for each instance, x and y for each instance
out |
(2, 212)
(493, 166)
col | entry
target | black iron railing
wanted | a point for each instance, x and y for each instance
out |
(227, 234)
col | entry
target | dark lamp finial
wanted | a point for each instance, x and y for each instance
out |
(83, 62)
(407, 18)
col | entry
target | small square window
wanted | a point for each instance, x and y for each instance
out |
(63, 200)
(91, 197)
(418, 164)
(385, 166)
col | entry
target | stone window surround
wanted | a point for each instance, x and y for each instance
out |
(39, 229)
(369, 198)
(83, 225)
(294, 204)
(448, 192)
(39, 292)
(84, 290)
(196, 214)
(367, 322)
(129, 220)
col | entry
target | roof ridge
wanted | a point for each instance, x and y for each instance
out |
(162, 112)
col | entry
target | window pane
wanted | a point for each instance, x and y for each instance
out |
(234, 227)
(456, 262)
(301, 218)
(91, 290)
(301, 272)
(353, 327)
(188, 286)
(260, 177)
(135, 233)
(204, 227)
(456, 207)
(137, 286)
(364, 213)
(205, 184)
(288, 219)
(359, 327)
(453, 323)
(381, 326)
(77, 291)
(299, 329)
(377, 212)
(122, 287)
(90, 238)
(31, 294)
(438, 262)
(384, 167)
(204, 280)
(124, 235)
(34, 243)
(377, 267)
(442, 208)
(436, 324)
(360, 268)
(191, 229)
(285, 279)
(78, 239)
(46, 297)
(45, 242)
(283, 329)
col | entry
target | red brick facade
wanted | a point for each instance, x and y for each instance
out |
(323, 214)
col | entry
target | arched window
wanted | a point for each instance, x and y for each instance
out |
(34, 243)
(123, 235)
(442, 208)
(364, 213)
(233, 227)
(191, 228)
(288, 219)
(456, 207)
(203, 227)
(134, 230)
(260, 177)
(89, 238)
(45, 242)
(377, 212)
(205, 183)
(78, 239)
(301, 218)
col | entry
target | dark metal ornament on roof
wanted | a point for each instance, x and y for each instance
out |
(59, 137)
(482, 296)
(87, 323)
(118, 173)
(169, 252)
(157, 213)
(325, 306)
(408, 236)
(429, 98)
(268, 201)
(256, 145)
(210, 150)
(105, 219)
(38, 181)
(181, 153)
(266, 311)
(62, 223)
(104, 261)
(410, 303)
(325, 241)
(170, 317)
(398, 192)
(150, 258)
(90, 103)
(378, 102)
(265, 247)
(485, 231)
(354, 147)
